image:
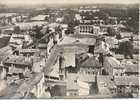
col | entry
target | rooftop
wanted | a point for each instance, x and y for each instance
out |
(114, 62)
(29, 84)
(87, 78)
(19, 60)
(39, 17)
(77, 40)
(51, 61)
(107, 80)
(28, 50)
(126, 34)
(126, 80)
(30, 25)
(84, 60)
(130, 68)
(5, 51)
(42, 45)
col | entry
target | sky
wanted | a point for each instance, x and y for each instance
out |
(34, 2)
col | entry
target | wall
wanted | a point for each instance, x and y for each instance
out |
(83, 88)
(38, 89)
(72, 92)
(107, 66)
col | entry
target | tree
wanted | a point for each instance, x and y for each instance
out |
(37, 31)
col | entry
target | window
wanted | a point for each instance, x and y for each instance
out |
(75, 81)
(75, 94)
(71, 94)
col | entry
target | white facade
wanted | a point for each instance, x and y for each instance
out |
(83, 88)
(38, 89)
(113, 66)
(85, 29)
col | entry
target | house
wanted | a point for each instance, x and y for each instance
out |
(75, 87)
(29, 25)
(2, 72)
(88, 64)
(112, 66)
(54, 70)
(136, 44)
(127, 84)
(46, 44)
(18, 40)
(78, 17)
(29, 52)
(131, 69)
(113, 42)
(112, 20)
(32, 88)
(17, 67)
(78, 40)
(102, 47)
(38, 64)
(126, 34)
(7, 31)
(89, 79)
(67, 61)
(93, 21)
(50, 44)
(88, 29)
(106, 85)
(59, 19)
(3, 86)
(40, 18)
(86, 9)
(4, 52)
(119, 57)
(6, 18)
(42, 46)
(79, 84)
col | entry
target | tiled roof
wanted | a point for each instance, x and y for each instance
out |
(73, 80)
(113, 61)
(126, 80)
(15, 70)
(119, 56)
(77, 40)
(51, 60)
(20, 60)
(126, 34)
(112, 42)
(5, 52)
(29, 25)
(39, 17)
(42, 45)
(86, 61)
(107, 80)
(28, 50)
(132, 68)
(30, 83)
(87, 78)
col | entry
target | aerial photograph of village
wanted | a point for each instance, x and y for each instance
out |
(69, 49)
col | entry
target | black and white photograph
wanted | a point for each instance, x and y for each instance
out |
(69, 49)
